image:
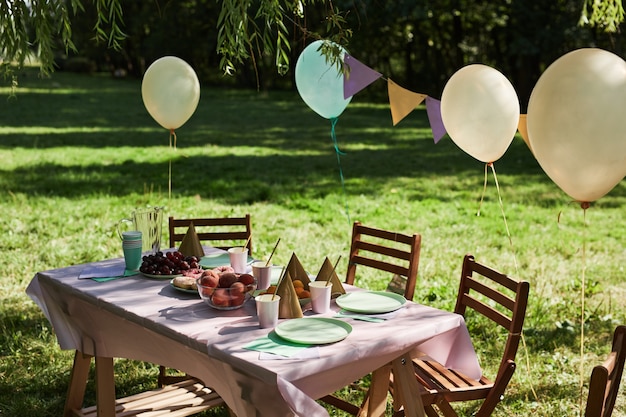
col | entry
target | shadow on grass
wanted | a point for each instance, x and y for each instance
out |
(241, 178)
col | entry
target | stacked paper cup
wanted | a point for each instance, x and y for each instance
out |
(131, 244)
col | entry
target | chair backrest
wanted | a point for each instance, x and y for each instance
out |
(392, 252)
(220, 232)
(605, 378)
(498, 297)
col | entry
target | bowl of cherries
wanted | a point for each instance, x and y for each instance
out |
(167, 265)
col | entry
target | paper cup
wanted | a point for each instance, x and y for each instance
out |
(238, 259)
(320, 296)
(132, 257)
(131, 235)
(263, 274)
(267, 310)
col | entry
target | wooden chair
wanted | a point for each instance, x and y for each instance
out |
(605, 378)
(502, 301)
(386, 251)
(220, 232)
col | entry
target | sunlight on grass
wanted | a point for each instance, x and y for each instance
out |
(46, 130)
(53, 90)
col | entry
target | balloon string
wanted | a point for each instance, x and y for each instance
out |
(333, 122)
(584, 206)
(333, 135)
(482, 197)
(527, 355)
(172, 145)
(506, 225)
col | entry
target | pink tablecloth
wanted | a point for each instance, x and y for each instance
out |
(147, 319)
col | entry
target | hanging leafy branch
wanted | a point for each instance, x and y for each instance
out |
(110, 22)
(606, 14)
(251, 30)
(34, 28)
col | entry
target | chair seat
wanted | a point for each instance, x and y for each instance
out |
(438, 381)
(178, 400)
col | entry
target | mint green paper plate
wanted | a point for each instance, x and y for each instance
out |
(213, 261)
(370, 302)
(313, 330)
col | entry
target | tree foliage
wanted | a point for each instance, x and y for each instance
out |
(417, 43)
(246, 30)
(606, 14)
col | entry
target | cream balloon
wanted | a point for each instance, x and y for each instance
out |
(480, 111)
(576, 123)
(170, 90)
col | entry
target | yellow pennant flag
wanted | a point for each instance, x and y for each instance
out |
(523, 131)
(402, 101)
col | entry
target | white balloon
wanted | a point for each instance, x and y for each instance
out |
(170, 90)
(480, 111)
(576, 122)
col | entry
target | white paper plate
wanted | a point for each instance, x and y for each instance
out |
(313, 330)
(371, 301)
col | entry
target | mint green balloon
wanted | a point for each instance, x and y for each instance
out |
(320, 83)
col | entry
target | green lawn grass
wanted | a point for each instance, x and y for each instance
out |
(78, 153)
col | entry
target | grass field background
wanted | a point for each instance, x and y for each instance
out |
(80, 152)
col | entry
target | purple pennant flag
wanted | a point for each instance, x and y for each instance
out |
(433, 110)
(357, 77)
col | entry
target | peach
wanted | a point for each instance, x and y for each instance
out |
(208, 283)
(221, 298)
(210, 273)
(246, 279)
(207, 292)
(227, 279)
(237, 288)
(237, 299)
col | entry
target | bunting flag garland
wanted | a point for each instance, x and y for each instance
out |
(523, 131)
(402, 101)
(433, 110)
(357, 76)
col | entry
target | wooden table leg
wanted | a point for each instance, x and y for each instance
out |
(78, 383)
(105, 387)
(375, 403)
(407, 387)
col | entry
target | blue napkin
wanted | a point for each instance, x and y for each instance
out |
(127, 273)
(105, 273)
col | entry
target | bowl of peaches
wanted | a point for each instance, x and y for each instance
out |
(222, 289)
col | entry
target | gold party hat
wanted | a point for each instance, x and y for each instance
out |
(191, 246)
(289, 305)
(297, 271)
(327, 270)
